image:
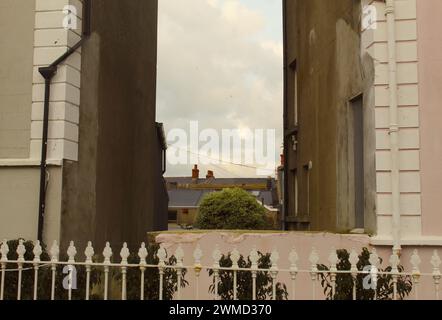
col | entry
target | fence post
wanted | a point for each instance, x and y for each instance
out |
(416, 274)
(55, 251)
(21, 250)
(293, 258)
(89, 253)
(124, 254)
(4, 250)
(162, 255)
(374, 262)
(235, 256)
(314, 259)
(394, 262)
(179, 255)
(333, 259)
(107, 253)
(254, 258)
(216, 258)
(436, 262)
(274, 258)
(142, 254)
(72, 252)
(197, 255)
(354, 259)
(37, 254)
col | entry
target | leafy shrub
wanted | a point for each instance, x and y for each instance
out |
(231, 209)
(345, 281)
(264, 290)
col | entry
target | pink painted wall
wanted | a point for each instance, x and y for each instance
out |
(430, 91)
(284, 242)
(266, 243)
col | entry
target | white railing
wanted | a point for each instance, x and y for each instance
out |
(332, 272)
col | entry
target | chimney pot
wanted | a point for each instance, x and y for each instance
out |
(195, 174)
(210, 174)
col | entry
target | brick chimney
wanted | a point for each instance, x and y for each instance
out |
(210, 175)
(195, 174)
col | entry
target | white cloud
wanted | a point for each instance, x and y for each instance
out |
(215, 66)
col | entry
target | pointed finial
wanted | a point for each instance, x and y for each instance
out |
(293, 258)
(374, 259)
(216, 256)
(55, 252)
(333, 259)
(436, 262)
(179, 255)
(21, 250)
(37, 251)
(274, 258)
(254, 258)
(162, 255)
(142, 254)
(394, 262)
(89, 252)
(4, 250)
(415, 261)
(197, 255)
(235, 256)
(354, 259)
(107, 253)
(124, 254)
(314, 258)
(72, 252)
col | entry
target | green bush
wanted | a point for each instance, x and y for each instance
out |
(264, 281)
(231, 209)
(345, 281)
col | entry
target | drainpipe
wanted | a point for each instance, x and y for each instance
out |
(394, 125)
(48, 73)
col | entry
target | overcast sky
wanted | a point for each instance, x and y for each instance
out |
(220, 63)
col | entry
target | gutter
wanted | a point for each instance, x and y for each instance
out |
(48, 73)
(394, 124)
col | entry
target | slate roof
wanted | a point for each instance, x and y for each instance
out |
(185, 198)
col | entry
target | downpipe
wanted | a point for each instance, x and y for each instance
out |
(48, 73)
(394, 124)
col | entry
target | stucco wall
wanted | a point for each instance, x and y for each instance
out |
(109, 194)
(265, 243)
(16, 57)
(323, 41)
(430, 113)
(19, 195)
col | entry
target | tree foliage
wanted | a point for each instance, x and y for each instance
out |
(231, 209)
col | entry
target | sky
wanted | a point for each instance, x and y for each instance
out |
(219, 63)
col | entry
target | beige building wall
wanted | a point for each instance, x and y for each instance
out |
(33, 35)
(16, 57)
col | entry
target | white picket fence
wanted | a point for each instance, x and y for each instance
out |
(197, 267)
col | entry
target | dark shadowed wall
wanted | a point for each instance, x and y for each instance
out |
(116, 192)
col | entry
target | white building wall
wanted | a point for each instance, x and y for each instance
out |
(374, 42)
(51, 40)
